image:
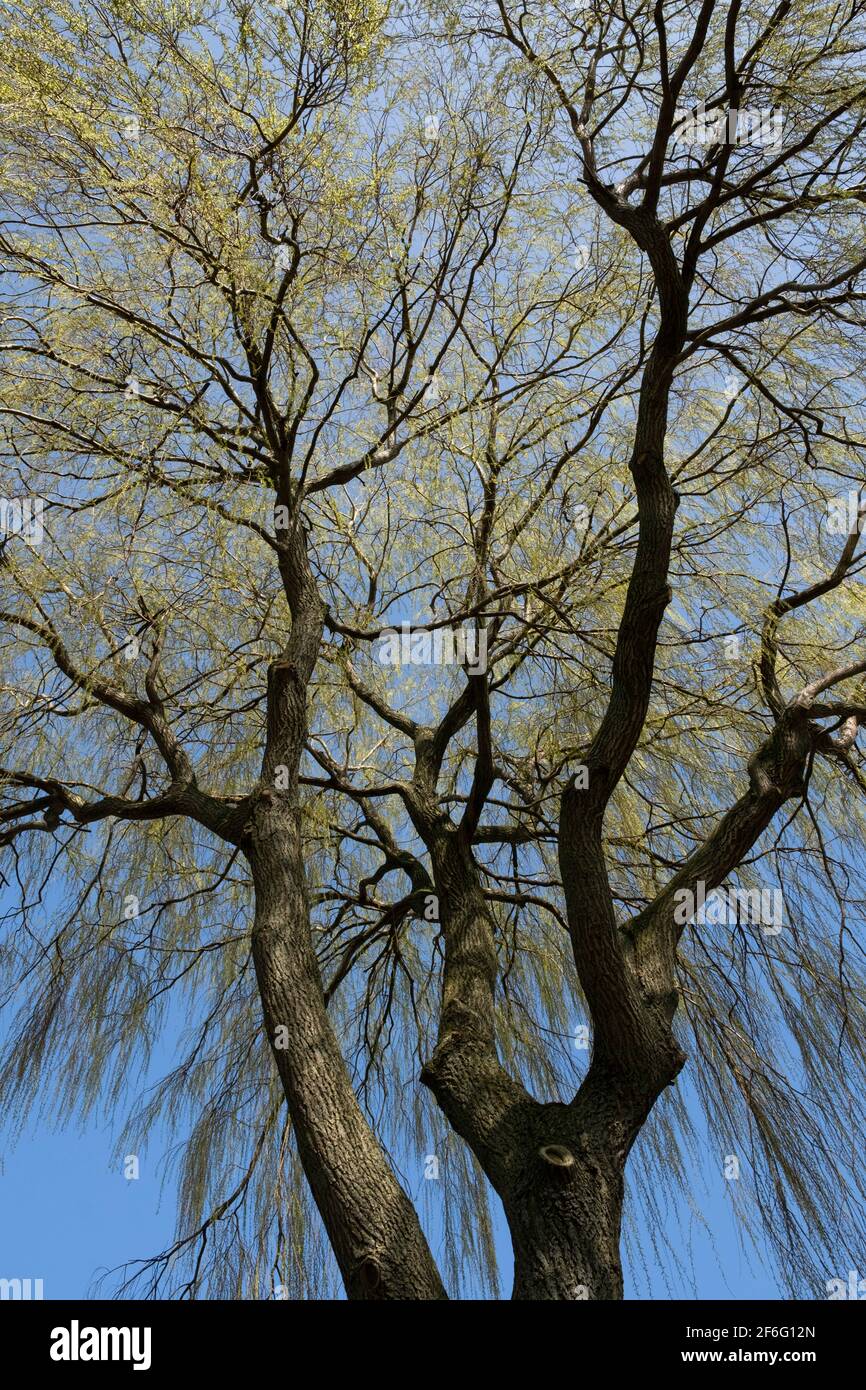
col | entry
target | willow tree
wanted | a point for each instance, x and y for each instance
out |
(431, 575)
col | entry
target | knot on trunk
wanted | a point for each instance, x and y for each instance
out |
(559, 1160)
(370, 1275)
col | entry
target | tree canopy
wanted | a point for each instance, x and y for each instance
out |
(433, 475)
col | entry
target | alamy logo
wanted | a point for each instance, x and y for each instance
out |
(695, 127)
(845, 513)
(76, 1343)
(21, 1288)
(444, 646)
(22, 516)
(854, 1287)
(726, 907)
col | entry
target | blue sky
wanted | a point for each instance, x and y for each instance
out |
(67, 1214)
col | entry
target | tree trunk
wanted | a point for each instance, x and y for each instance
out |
(564, 1204)
(564, 1215)
(371, 1224)
(557, 1167)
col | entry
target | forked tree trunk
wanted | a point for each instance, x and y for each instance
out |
(564, 1203)
(557, 1167)
(564, 1216)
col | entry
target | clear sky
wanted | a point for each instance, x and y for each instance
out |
(67, 1214)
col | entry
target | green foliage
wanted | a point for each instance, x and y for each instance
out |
(227, 241)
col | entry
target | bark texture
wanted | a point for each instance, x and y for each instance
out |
(371, 1223)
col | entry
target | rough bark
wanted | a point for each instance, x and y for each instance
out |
(564, 1217)
(557, 1167)
(371, 1223)
(564, 1207)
